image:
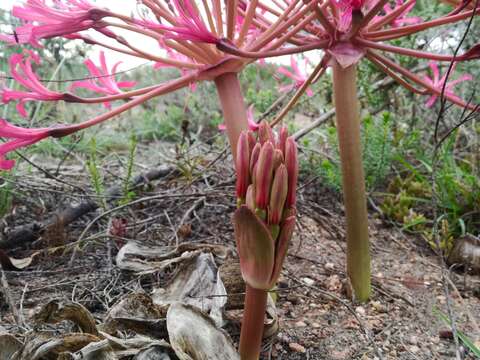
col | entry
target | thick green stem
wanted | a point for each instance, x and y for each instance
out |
(252, 323)
(233, 106)
(348, 129)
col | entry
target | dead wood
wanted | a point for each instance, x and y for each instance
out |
(31, 232)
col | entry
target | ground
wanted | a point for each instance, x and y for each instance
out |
(194, 205)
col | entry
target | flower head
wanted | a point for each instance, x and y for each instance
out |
(264, 221)
(103, 79)
(299, 77)
(401, 19)
(189, 25)
(437, 83)
(347, 7)
(43, 21)
(21, 70)
(18, 137)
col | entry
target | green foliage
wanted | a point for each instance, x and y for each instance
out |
(261, 87)
(95, 176)
(377, 153)
(128, 194)
(6, 195)
(463, 338)
(457, 189)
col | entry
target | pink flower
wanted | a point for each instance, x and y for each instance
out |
(43, 21)
(438, 82)
(252, 124)
(401, 19)
(189, 25)
(29, 80)
(297, 76)
(347, 7)
(19, 137)
(103, 80)
(175, 56)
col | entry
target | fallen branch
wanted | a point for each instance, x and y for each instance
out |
(33, 231)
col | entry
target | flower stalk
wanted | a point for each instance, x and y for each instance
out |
(348, 130)
(233, 106)
(267, 172)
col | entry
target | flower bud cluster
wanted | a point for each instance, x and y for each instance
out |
(267, 171)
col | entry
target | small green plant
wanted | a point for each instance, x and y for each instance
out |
(95, 176)
(463, 338)
(457, 188)
(377, 144)
(128, 194)
(6, 195)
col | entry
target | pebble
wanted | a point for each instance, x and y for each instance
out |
(299, 324)
(360, 310)
(379, 307)
(308, 281)
(413, 340)
(414, 349)
(297, 348)
(330, 266)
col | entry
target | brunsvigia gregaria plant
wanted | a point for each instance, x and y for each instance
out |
(267, 172)
(212, 40)
(185, 34)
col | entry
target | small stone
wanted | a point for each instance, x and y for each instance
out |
(300, 324)
(445, 334)
(316, 325)
(330, 266)
(360, 310)
(297, 348)
(414, 349)
(379, 307)
(308, 281)
(413, 340)
(292, 298)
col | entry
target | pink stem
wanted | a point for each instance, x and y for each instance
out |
(233, 106)
(166, 88)
(230, 49)
(408, 52)
(412, 29)
(253, 323)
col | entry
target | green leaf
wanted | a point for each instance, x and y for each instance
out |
(464, 338)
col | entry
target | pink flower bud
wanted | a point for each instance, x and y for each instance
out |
(278, 195)
(254, 157)
(282, 139)
(242, 165)
(263, 174)
(250, 198)
(277, 159)
(265, 133)
(291, 162)
(252, 141)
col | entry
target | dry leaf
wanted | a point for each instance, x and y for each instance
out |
(194, 336)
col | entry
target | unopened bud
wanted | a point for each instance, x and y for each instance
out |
(250, 199)
(242, 165)
(278, 195)
(282, 139)
(263, 175)
(291, 162)
(277, 159)
(265, 133)
(254, 157)
(251, 140)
